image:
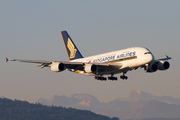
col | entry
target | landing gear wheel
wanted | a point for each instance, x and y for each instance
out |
(100, 78)
(112, 78)
(123, 76)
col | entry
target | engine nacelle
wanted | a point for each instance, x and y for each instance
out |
(90, 68)
(58, 67)
(163, 65)
(151, 68)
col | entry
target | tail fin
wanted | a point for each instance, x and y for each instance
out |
(71, 49)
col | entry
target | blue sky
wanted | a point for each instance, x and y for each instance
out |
(31, 30)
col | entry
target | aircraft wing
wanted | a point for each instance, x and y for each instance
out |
(28, 61)
(43, 63)
(163, 59)
(69, 65)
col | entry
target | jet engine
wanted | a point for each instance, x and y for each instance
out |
(151, 67)
(90, 68)
(163, 65)
(58, 67)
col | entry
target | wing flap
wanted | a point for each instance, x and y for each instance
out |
(109, 64)
(101, 66)
(71, 65)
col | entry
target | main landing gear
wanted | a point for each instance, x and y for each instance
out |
(100, 78)
(104, 78)
(123, 76)
(111, 77)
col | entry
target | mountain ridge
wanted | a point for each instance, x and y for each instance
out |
(135, 106)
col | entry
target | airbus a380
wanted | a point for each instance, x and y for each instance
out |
(110, 63)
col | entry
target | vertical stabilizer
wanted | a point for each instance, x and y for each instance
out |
(71, 49)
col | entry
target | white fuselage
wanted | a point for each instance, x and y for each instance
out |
(129, 58)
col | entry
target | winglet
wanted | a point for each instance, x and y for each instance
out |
(6, 59)
(168, 57)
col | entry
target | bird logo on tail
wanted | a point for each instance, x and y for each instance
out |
(71, 48)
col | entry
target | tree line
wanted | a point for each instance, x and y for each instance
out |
(23, 110)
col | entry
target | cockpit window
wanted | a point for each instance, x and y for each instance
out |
(147, 53)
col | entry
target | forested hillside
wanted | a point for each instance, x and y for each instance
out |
(22, 110)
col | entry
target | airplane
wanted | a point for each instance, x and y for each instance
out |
(120, 61)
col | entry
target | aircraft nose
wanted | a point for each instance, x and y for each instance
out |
(151, 58)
